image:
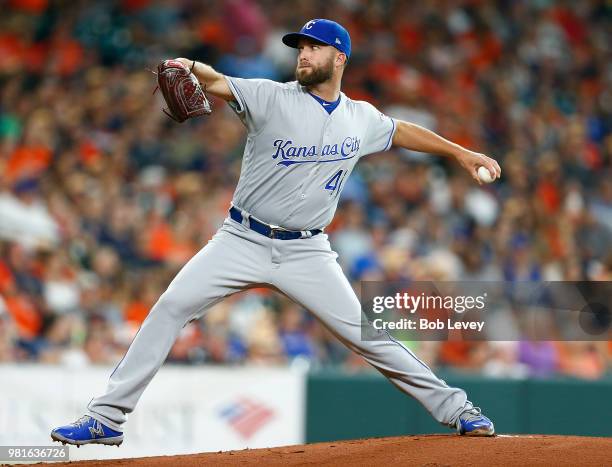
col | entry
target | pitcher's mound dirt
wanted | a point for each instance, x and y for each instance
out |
(431, 450)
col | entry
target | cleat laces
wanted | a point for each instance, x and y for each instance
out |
(81, 421)
(472, 414)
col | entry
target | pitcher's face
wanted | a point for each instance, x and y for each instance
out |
(315, 62)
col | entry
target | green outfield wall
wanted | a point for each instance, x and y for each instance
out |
(341, 406)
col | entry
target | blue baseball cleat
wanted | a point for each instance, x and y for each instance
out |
(473, 423)
(87, 430)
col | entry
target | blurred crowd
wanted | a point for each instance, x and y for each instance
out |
(103, 198)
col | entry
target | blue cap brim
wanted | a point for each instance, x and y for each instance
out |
(293, 38)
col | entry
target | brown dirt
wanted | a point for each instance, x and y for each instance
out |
(433, 450)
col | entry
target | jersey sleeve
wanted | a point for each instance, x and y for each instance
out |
(252, 100)
(380, 131)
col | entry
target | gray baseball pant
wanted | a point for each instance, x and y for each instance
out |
(306, 271)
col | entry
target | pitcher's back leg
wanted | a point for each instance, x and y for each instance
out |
(323, 289)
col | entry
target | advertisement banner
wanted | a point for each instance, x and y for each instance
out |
(184, 410)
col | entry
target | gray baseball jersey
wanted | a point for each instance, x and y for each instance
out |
(297, 156)
(296, 160)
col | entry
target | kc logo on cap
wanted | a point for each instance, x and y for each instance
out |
(324, 31)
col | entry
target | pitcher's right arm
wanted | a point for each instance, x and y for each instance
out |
(213, 80)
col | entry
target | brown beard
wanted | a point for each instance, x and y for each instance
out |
(316, 75)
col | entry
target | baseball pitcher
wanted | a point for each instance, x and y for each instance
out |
(304, 139)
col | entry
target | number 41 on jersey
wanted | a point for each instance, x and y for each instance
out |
(335, 182)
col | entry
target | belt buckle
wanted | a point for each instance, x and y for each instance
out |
(274, 229)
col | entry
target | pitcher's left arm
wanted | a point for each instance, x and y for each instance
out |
(416, 138)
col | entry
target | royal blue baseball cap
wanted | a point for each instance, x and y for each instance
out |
(322, 30)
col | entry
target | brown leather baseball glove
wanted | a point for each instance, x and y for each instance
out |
(182, 91)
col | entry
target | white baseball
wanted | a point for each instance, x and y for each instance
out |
(484, 175)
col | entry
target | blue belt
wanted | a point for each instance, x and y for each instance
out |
(272, 232)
